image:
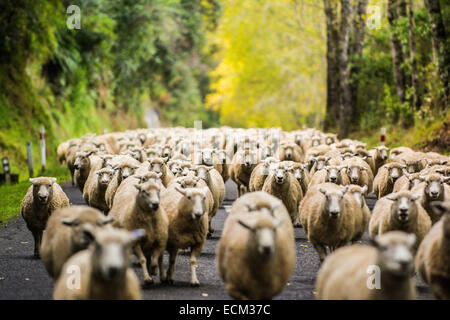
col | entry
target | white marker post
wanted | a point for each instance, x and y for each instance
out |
(42, 141)
(383, 136)
(6, 170)
(30, 159)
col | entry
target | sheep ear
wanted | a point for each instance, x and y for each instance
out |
(136, 235)
(423, 178)
(345, 189)
(444, 162)
(70, 222)
(138, 186)
(363, 169)
(278, 223)
(411, 239)
(246, 225)
(33, 180)
(364, 189)
(324, 192)
(107, 219)
(392, 197)
(415, 197)
(53, 180)
(445, 179)
(205, 191)
(180, 190)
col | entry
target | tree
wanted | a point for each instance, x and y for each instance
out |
(441, 45)
(332, 108)
(344, 71)
(356, 48)
(397, 51)
(412, 45)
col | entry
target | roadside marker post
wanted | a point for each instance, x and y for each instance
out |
(383, 136)
(30, 159)
(6, 169)
(42, 144)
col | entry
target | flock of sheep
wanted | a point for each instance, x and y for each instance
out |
(152, 191)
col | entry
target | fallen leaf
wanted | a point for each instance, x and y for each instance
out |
(23, 242)
(304, 245)
(288, 284)
(204, 294)
(27, 279)
(314, 292)
(2, 278)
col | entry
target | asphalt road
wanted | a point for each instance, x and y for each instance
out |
(22, 277)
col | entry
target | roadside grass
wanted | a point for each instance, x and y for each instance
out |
(12, 195)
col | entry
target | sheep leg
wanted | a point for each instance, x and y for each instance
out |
(210, 228)
(195, 251)
(235, 293)
(143, 261)
(171, 269)
(37, 235)
(162, 272)
(321, 250)
(297, 222)
(157, 252)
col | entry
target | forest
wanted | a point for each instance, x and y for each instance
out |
(346, 66)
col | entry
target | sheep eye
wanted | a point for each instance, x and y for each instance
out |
(189, 197)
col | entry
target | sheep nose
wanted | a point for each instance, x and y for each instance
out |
(155, 206)
(334, 214)
(112, 272)
(42, 198)
(394, 178)
(333, 179)
(198, 215)
(266, 250)
(434, 194)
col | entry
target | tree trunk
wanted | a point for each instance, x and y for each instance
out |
(345, 110)
(441, 45)
(356, 49)
(417, 102)
(332, 109)
(397, 52)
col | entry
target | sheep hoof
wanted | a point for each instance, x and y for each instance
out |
(154, 270)
(36, 256)
(195, 284)
(170, 281)
(148, 283)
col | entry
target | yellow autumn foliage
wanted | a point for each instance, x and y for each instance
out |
(272, 63)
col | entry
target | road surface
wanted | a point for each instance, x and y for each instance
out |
(22, 277)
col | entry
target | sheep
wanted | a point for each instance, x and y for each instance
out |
(94, 190)
(334, 174)
(282, 184)
(260, 174)
(412, 165)
(397, 151)
(318, 163)
(61, 151)
(400, 211)
(43, 197)
(345, 274)
(433, 188)
(216, 185)
(187, 210)
(68, 231)
(367, 157)
(104, 269)
(359, 172)
(407, 182)
(363, 217)
(158, 165)
(125, 166)
(328, 218)
(256, 254)
(380, 157)
(208, 157)
(289, 152)
(82, 166)
(244, 162)
(138, 207)
(301, 174)
(433, 258)
(225, 162)
(384, 181)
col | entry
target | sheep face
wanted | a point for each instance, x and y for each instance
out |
(166, 152)
(156, 165)
(412, 166)
(104, 176)
(185, 169)
(299, 172)
(330, 140)
(82, 160)
(322, 162)
(443, 209)
(112, 253)
(222, 155)
(152, 153)
(404, 208)
(125, 171)
(106, 161)
(334, 174)
(414, 179)
(395, 172)
(315, 142)
(202, 172)
(288, 153)
(266, 152)
(150, 176)
(334, 203)
(207, 157)
(136, 154)
(196, 201)
(42, 189)
(396, 253)
(262, 235)
(148, 196)
(281, 174)
(359, 194)
(249, 159)
(434, 189)
(383, 152)
(84, 225)
(174, 166)
(355, 173)
(298, 139)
